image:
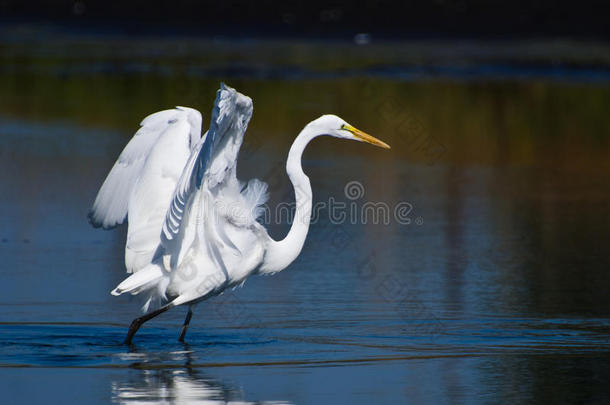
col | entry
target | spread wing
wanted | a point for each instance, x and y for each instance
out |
(211, 167)
(111, 204)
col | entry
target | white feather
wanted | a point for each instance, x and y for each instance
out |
(255, 195)
(111, 204)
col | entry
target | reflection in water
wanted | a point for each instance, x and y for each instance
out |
(167, 386)
(177, 386)
(162, 385)
(172, 386)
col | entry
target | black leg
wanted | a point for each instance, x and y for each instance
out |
(189, 315)
(135, 325)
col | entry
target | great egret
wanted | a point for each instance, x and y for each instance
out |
(192, 226)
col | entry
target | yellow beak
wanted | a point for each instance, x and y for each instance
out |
(364, 137)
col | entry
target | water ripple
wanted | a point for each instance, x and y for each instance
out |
(89, 344)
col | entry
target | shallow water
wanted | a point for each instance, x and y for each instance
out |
(490, 284)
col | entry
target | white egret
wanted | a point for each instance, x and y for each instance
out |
(192, 226)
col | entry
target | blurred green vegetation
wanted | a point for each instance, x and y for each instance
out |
(114, 84)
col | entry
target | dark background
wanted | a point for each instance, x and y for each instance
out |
(384, 19)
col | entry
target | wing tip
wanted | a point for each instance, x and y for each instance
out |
(91, 218)
(96, 223)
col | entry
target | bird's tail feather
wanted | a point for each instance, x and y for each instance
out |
(140, 280)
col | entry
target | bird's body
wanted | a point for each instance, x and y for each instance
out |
(192, 225)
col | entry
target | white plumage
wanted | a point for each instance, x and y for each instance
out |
(192, 226)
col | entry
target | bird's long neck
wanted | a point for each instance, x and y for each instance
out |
(280, 254)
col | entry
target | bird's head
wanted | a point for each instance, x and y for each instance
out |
(332, 125)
